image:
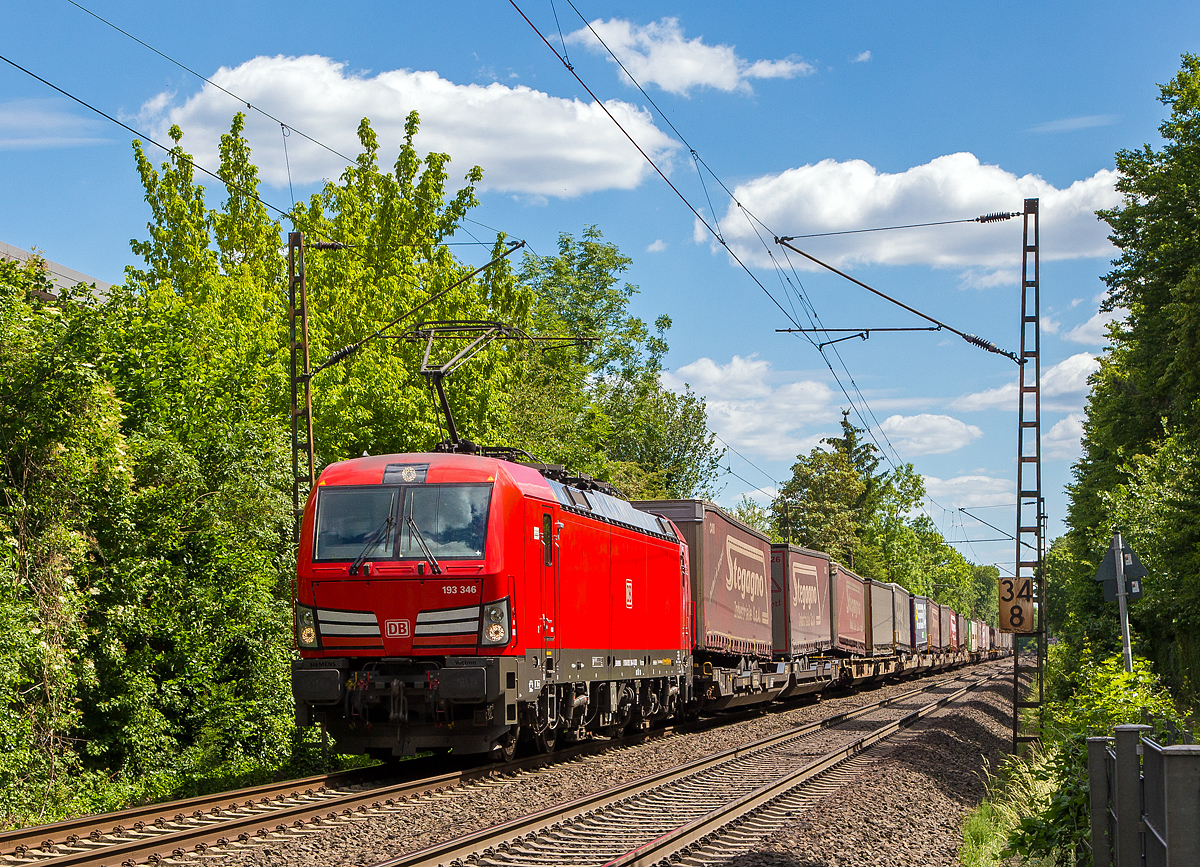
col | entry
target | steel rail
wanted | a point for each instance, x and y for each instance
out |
(154, 843)
(461, 848)
(71, 832)
(82, 826)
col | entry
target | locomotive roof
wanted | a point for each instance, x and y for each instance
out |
(435, 467)
(371, 469)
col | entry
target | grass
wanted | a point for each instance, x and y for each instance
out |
(1020, 788)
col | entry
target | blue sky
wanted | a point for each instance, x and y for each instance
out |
(819, 116)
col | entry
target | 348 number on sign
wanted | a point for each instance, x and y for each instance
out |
(1016, 605)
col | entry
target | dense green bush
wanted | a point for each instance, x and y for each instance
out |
(1037, 809)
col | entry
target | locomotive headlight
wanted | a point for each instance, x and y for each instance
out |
(306, 627)
(495, 623)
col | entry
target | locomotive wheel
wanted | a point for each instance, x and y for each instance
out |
(506, 747)
(546, 740)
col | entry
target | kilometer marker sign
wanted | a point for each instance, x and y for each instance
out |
(1016, 604)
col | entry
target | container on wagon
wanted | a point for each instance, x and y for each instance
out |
(850, 615)
(730, 576)
(901, 620)
(945, 619)
(933, 617)
(800, 601)
(920, 624)
(883, 619)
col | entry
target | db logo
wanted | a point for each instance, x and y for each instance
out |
(628, 592)
(395, 628)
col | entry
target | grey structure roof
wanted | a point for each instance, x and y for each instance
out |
(62, 276)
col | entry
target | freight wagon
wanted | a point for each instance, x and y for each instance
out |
(801, 618)
(730, 603)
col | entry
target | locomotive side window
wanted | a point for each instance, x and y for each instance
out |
(452, 518)
(547, 540)
(351, 520)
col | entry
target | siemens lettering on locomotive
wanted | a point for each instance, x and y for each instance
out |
(451, 600)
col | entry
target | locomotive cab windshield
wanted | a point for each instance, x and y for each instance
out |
(360, 522)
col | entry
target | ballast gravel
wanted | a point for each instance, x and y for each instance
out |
(425, 820)
(907, 805)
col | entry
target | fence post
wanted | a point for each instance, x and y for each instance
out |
(1098, 795)
(1127, 799)
(1181, 790)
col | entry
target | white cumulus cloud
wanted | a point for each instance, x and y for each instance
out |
(657, 247)
(758, 411)
(862, 57)
(1064, 387)
(832, 196)
(658, 53)
(527, 141)
(970, 490)
(928, 434)
(1094, 332)
(1061, 442)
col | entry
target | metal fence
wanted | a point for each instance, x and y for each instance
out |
(1145, 799)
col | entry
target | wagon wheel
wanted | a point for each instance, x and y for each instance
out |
(506, 747)
(546, 740)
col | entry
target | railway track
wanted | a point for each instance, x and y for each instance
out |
(702, 812)
(179, 829)
(173, 830)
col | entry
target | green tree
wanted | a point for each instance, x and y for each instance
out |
(600, 406)
(816, 507)
(1143, 415)
(840, 502)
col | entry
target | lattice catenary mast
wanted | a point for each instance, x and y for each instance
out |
(1022, 597)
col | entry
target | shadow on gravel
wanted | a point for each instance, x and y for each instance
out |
(948, 751)
(777, 858)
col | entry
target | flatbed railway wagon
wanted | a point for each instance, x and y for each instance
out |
(801, 620)
(883, 645)
(730, 572)
(456, 601)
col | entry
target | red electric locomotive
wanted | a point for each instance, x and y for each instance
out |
(456, 601)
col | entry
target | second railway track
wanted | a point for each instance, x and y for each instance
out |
(663, 817)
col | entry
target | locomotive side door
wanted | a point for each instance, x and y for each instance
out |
(549, 570)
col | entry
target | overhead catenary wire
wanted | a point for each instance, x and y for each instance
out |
(750, 216)
(983, 218)
(810, 311)
(329, 244)
(764, 473)
(647, 157)
(970, 338)
(250, 194)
